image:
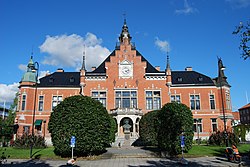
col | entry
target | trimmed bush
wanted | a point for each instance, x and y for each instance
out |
(84, 118)
(175, 118)
(25, 141)
(149, 126)
(219, 139)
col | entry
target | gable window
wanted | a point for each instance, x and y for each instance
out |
(40, 103)
(56, 100)
(100, 96)
(176, 98)
(212, 102)
(195, 102)
(214, 124)
(197, 126)
(126, 99)
(153, 100)
(23, 101)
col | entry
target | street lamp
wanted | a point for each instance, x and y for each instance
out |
(35, 69)
(221, 69)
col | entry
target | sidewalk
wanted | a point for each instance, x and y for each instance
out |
(129, 157)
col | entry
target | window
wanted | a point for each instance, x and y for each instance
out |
(195, 102)
(26, 129)
(23, 102)
(197, 125)
(40, 103)
(153, 100)
(214, 124)
(176, 98)
(56, 100)
(212, 102)
(228, 101)
(100, 96)
(126, 99)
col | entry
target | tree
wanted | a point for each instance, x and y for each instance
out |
(243, 30)
(84, 118)
(175, 118)
(149, 126)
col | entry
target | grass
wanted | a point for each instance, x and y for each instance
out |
(15, 153)
(47, 153)
(204, 150)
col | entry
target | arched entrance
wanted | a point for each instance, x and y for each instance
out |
(126, 125)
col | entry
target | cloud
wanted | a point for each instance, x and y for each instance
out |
(43, 73)
(162, 45)
(8, 92)
(23, 67)
(187, 9)
(238, 3)
(67, 50)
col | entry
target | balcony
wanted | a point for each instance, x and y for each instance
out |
(126, 111)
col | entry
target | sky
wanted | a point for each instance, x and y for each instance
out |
(57, 32)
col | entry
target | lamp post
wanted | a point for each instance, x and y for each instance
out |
(35, 69)
(222, 68)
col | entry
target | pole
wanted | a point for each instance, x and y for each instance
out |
(72, 152)
(223, 109)
(34, 109)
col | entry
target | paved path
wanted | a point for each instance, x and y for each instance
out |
(133, 157)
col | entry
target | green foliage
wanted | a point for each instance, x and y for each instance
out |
(25, 141)
(174, 119)
(113, 129)
(240, 130)
(149, 125)
(84, 118)
(243, 30)
(219, 138)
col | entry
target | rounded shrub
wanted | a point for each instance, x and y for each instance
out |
(175, 118)
(149, 126)
(84, 118)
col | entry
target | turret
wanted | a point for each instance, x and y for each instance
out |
(29, 76)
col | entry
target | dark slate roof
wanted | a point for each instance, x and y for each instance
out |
(149, 68)
(101, 68)
(190, 78)
(61, 79)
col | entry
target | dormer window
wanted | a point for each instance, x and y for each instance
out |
(72, 79)
(200, 79)
(51, 79)
(179, 79)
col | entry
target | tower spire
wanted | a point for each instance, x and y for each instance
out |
(125, 36)
(83, 60)
(168, 62)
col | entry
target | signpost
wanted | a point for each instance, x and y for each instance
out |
(73, 144)
(183, 161)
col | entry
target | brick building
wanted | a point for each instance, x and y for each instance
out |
(245, 114)
(128, 86)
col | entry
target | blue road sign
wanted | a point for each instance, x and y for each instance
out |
(182, 141)
(73, 141)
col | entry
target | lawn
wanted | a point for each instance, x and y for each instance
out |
(204, 150)
(47, 153)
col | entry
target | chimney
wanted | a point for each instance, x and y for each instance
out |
(188, 69)
(93, 68)
(157, 68)
(59, 70)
